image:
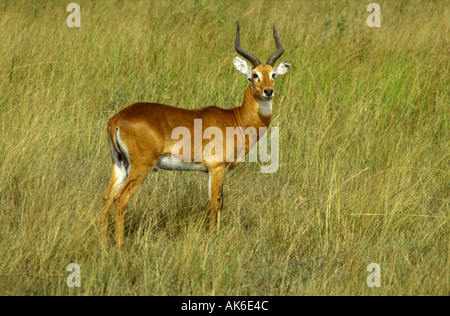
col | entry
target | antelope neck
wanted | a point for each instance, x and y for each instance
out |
(252, 112)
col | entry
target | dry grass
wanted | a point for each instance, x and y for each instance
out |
(364, 145)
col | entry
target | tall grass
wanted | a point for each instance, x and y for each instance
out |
(364, 149)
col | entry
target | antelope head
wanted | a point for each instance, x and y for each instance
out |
(261, 77)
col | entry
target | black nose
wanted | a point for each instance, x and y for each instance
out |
(268, 92)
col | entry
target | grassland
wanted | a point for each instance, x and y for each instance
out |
(364, 149)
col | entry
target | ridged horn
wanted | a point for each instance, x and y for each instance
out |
(280, 50)
(249, 56)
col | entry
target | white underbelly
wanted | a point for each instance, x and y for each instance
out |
(166, 163)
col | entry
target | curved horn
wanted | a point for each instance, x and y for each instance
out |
(280, 50)
(249, 56)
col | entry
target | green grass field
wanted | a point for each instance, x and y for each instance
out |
(364, 149)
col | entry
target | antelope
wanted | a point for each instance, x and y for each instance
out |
(140, 138)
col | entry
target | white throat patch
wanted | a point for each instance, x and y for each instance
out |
(265, 107)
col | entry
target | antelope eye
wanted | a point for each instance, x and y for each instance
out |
(274, 76)
(255, 76)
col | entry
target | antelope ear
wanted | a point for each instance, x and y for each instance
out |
(282, 68)
(242, 66)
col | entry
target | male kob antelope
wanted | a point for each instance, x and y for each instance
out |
(141, 138)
